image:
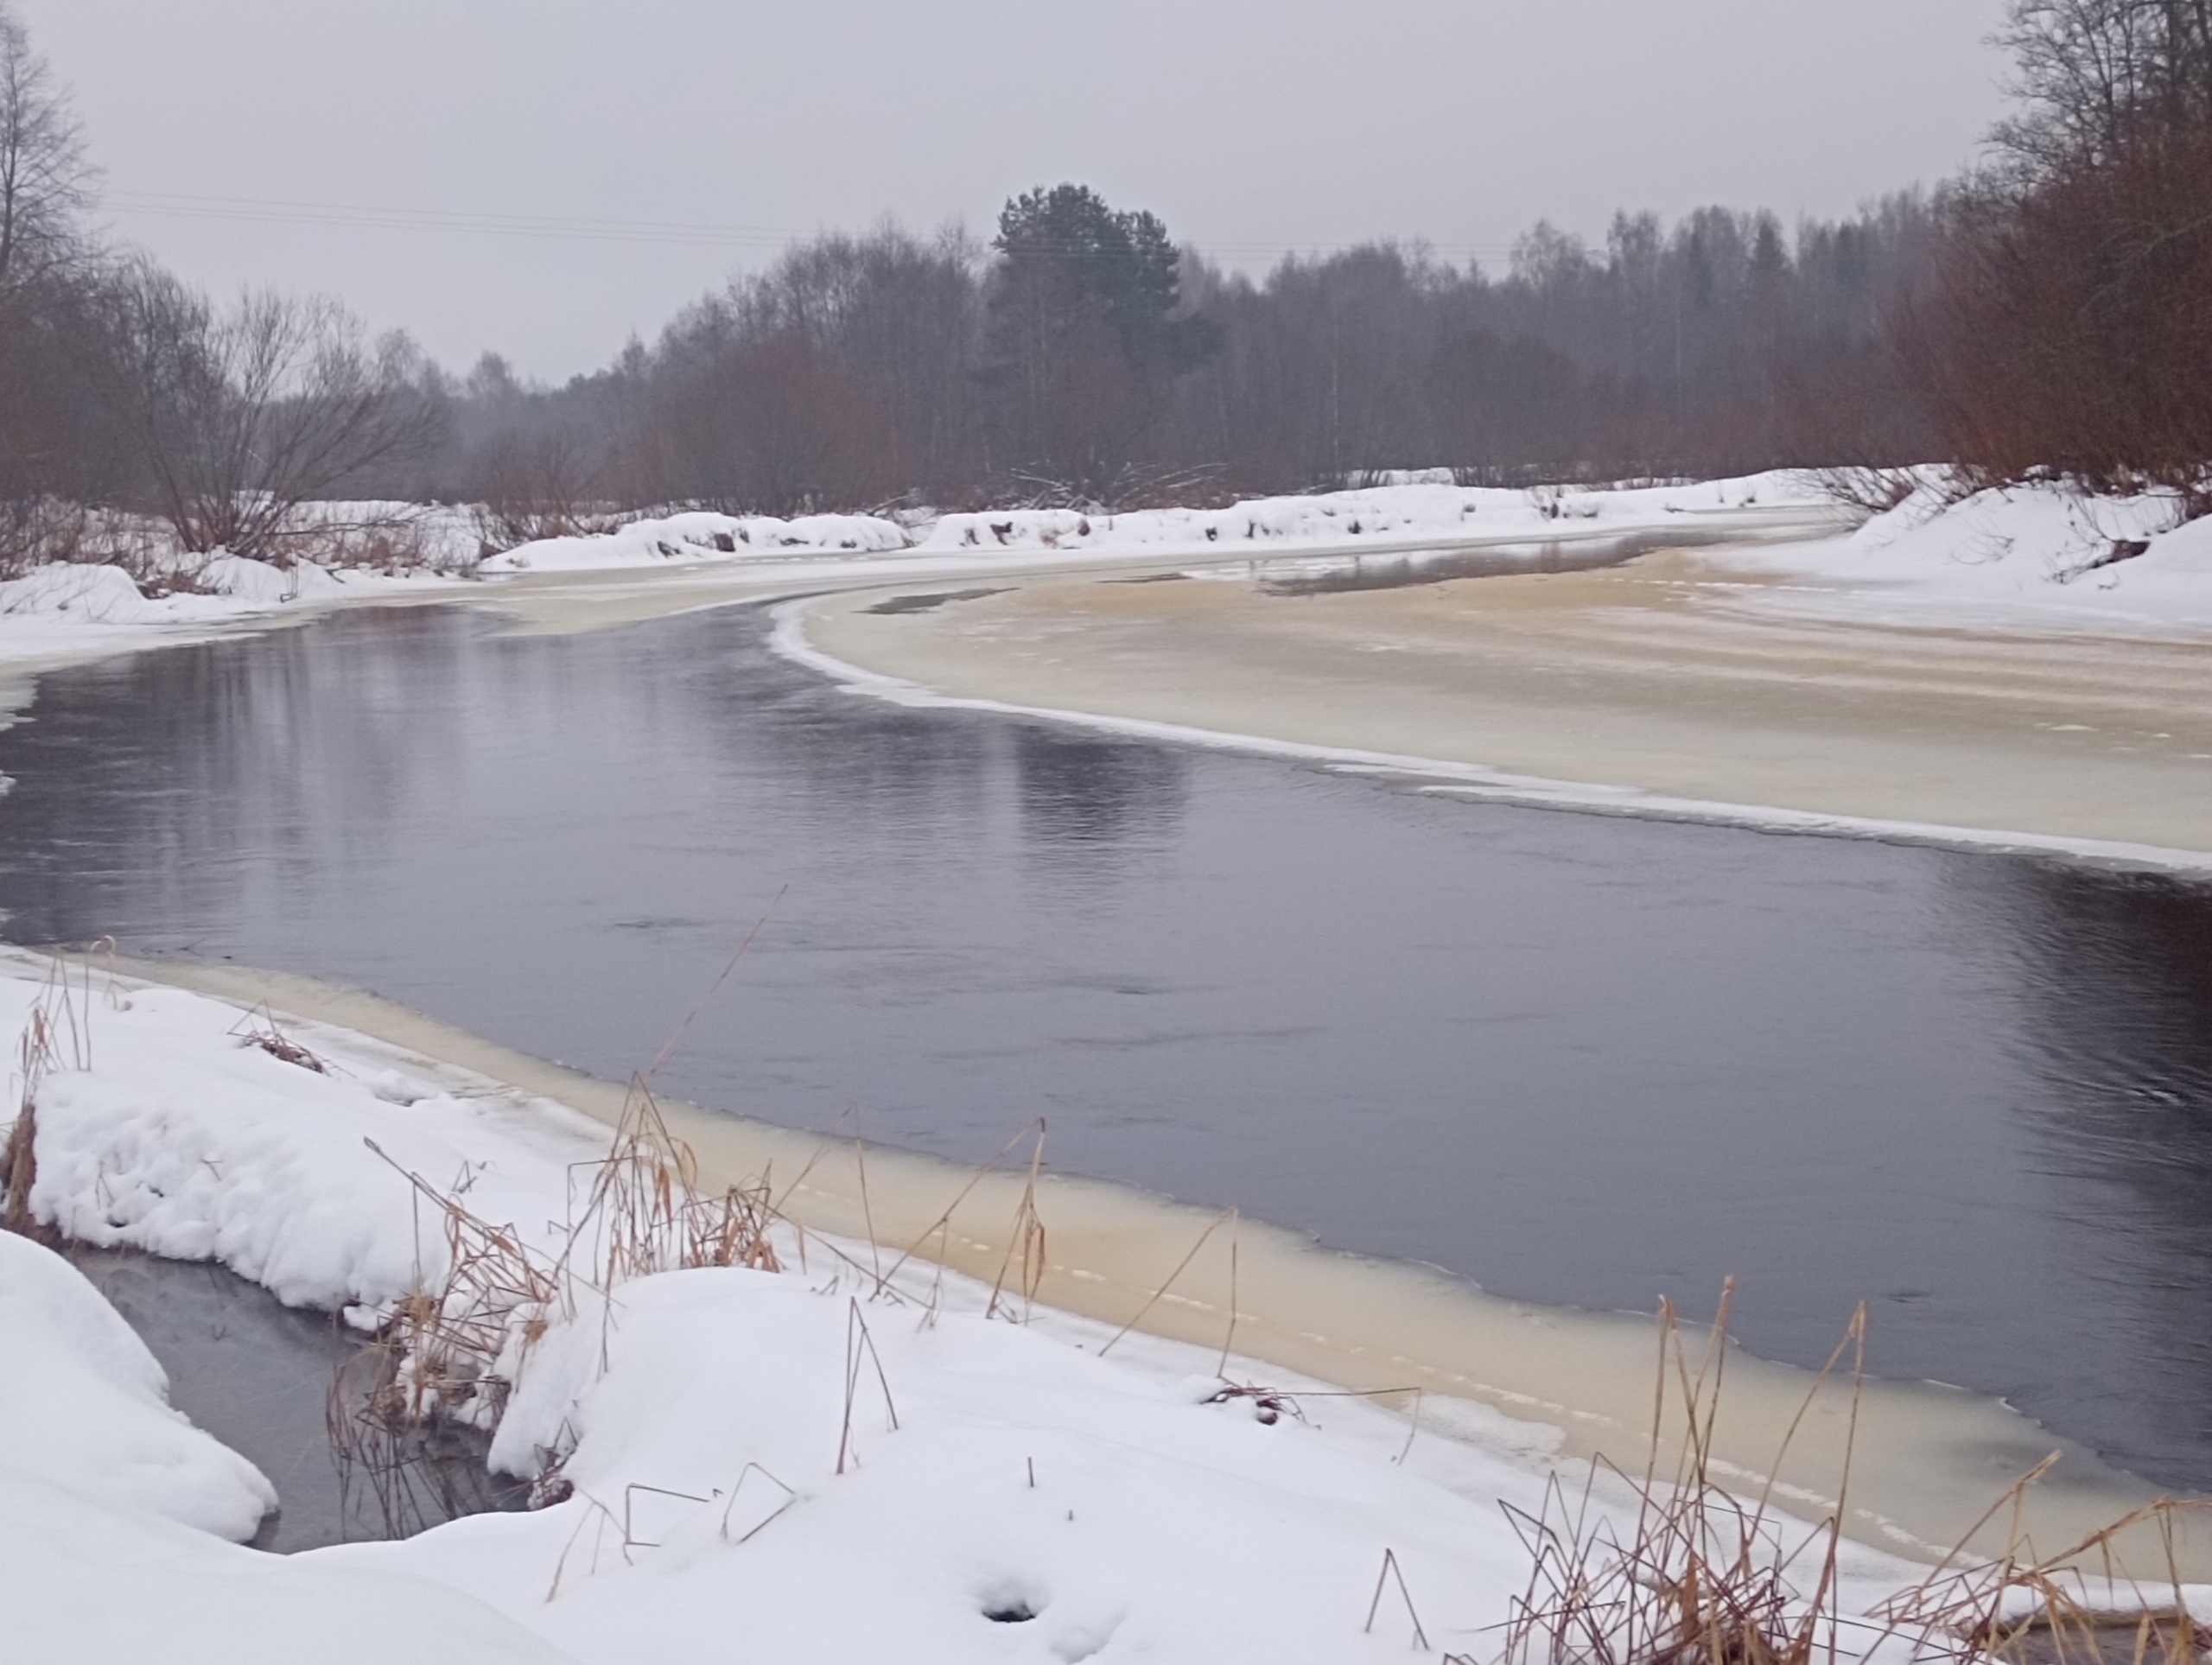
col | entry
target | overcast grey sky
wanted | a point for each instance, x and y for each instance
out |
(1252, 129)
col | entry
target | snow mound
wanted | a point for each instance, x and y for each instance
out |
(87, 594)
(189, 1142)
(2017, 538)
(85, 1583)
(85, 1406)
(2043, 550)
(996, 1492)
(263, 584)
(1419, 508)
(697, 537)
(1422, 510)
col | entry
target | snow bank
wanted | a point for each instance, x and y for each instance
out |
(1420, 510)
(189, 1141)
(81, 1583)
(1099, 1508)
(825, 1464)
(691, 538)
(2038, 552)
(83, 1405)
(1425, 512)
(75, 610)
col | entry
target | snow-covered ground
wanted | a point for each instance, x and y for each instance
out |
(66, 612)
(62, 612)
(2033, 554)
(816, 1462)
(1410, 516)
(2038, 556)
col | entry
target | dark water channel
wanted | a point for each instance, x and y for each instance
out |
(261, 1377)
(1581, 1059)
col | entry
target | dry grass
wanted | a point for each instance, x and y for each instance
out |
(451, 1352)
(57, 1035)
(1698, 1576)
(2077, 1607)
(259, 1028)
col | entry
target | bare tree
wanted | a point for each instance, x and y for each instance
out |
(548, 484)
(46, 182)
(2070, 329)
(242, 415)
(2099, 78)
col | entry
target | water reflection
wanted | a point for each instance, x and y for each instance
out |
(1080, 792)
(2114, 1003)
(264, 1379)
(1581, 1059)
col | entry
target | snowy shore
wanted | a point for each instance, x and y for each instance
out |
(64, 614)
(2021, 670)
(703, 1415)
(732, 1466)
(2035, 554)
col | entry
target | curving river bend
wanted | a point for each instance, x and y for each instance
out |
(1581, 1060)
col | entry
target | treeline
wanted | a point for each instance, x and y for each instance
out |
(2052, 311)
(1083, 356)
(2068, 326)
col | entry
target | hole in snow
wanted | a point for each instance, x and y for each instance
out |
(1012, 1601)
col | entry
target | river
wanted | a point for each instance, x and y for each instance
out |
(1581, 1059)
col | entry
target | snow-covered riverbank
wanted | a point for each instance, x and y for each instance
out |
(2038, 555)
(839, 1458)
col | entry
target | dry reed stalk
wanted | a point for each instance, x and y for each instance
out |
(259, 1028)
(39, 1051)
(1226, 1217)
(2077, 1607)
(1028, 1240)
(1699, 1578)
(1392, 1570)
(857, 1342)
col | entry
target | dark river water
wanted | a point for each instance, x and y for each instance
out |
(1581, 1060)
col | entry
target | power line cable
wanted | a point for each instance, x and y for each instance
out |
(577, 228)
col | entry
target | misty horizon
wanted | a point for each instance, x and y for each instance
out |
(543, 188)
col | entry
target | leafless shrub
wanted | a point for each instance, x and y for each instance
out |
(36, 529)
(1871, 490)
(528, 487)
(240, 415)
(2067, 330)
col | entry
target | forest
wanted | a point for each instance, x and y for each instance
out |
(2048, 313)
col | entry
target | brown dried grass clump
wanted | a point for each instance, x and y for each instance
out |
(1699, 1577)
(450, 1353)
(2078, 1607)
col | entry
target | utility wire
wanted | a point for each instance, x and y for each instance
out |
(574, 228)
